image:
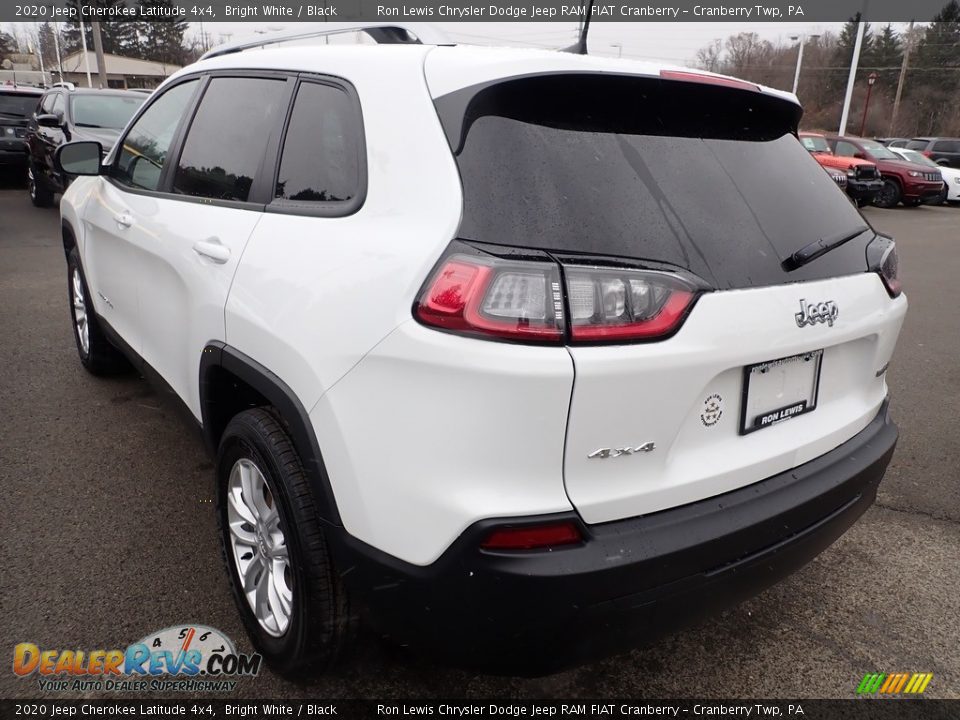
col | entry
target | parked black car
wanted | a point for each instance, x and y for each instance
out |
(16, 107)
(64, 115)
(942, 150)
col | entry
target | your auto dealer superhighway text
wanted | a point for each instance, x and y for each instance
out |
(534, 12)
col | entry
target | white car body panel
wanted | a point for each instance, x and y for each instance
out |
(432, 432)
(630, 395)
(314, 294)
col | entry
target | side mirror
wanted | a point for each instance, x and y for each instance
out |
(79, 158)
(860, 155)
(49, 120)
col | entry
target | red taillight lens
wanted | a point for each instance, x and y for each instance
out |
(513, 300)
(533, 537)
(608, 304)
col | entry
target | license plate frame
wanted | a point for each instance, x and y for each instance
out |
(776, 415)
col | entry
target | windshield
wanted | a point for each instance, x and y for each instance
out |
(19, 105)
(815, 144)
(693, 175)
(879, 151)
(919, 158)
(103, 111)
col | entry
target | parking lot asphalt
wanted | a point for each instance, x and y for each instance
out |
(108, 527)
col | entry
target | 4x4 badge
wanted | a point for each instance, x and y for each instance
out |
(825, 312)
(617, 452)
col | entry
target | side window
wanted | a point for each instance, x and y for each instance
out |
(59, 104)
(845, 149)
(145, 147)
(950, 146)
(917, 145)
(322, 151)
(226, 144)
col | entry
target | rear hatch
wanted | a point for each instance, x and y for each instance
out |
(15, 110)
(782, 356)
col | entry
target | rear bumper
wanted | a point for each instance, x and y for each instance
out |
(537, 612)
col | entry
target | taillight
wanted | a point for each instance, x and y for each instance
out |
(522, 295)
(614, 304)
(883, 259)
(533, 537)
(509, 299)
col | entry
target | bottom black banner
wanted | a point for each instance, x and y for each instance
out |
(866, 708)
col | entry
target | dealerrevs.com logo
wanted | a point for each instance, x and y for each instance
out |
(184, 658)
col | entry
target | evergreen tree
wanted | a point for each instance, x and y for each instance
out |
(935, 76)
(162, 40)
(886, 51)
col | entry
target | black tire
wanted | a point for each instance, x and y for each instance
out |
(890, 195)
(40, 195)
(860, 202)
(320, 626)
(99, 357)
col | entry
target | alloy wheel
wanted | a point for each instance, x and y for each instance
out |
(80, 319)
(259, 547)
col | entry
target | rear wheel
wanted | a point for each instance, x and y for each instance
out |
(889, 195)
(96, 353)
(40, 194)
(291, 601)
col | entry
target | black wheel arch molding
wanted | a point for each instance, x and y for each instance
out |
(218, 362)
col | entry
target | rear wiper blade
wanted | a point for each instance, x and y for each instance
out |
(809, 253)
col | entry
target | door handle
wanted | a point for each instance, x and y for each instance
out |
(123, 219)
(212, 249)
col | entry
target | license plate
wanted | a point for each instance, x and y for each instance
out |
(778, 390)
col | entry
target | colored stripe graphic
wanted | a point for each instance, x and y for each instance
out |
(894, 683)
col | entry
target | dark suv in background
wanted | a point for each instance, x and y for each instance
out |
(64, 115)
(903, 181)
(942, 150)
(16, 107)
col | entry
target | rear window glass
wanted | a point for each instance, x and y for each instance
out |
(706, 178)
(815, 144)
(103, 111)
(17, 105)
(917, 144)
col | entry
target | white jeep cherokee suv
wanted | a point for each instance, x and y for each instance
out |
(521, 356)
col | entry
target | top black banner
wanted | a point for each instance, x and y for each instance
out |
(290, 11)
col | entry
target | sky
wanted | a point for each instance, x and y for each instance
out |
(668, 42)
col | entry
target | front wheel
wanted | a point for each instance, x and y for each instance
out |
(96, 353)
(291, 601)
(40, 194)
(889, 195)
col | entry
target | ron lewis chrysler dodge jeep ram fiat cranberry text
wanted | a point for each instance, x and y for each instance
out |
(520, 356)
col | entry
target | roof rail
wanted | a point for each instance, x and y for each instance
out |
(383, 33)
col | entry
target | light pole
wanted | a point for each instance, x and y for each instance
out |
(802, 37)
(871, 79)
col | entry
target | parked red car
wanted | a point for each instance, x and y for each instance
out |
(906, 182)
(863, 181)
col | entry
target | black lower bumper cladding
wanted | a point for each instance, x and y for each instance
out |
(629, 581)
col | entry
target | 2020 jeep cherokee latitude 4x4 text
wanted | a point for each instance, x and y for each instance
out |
(519, 356)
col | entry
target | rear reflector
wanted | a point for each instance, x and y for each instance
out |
(533, 537)
(707, 79)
